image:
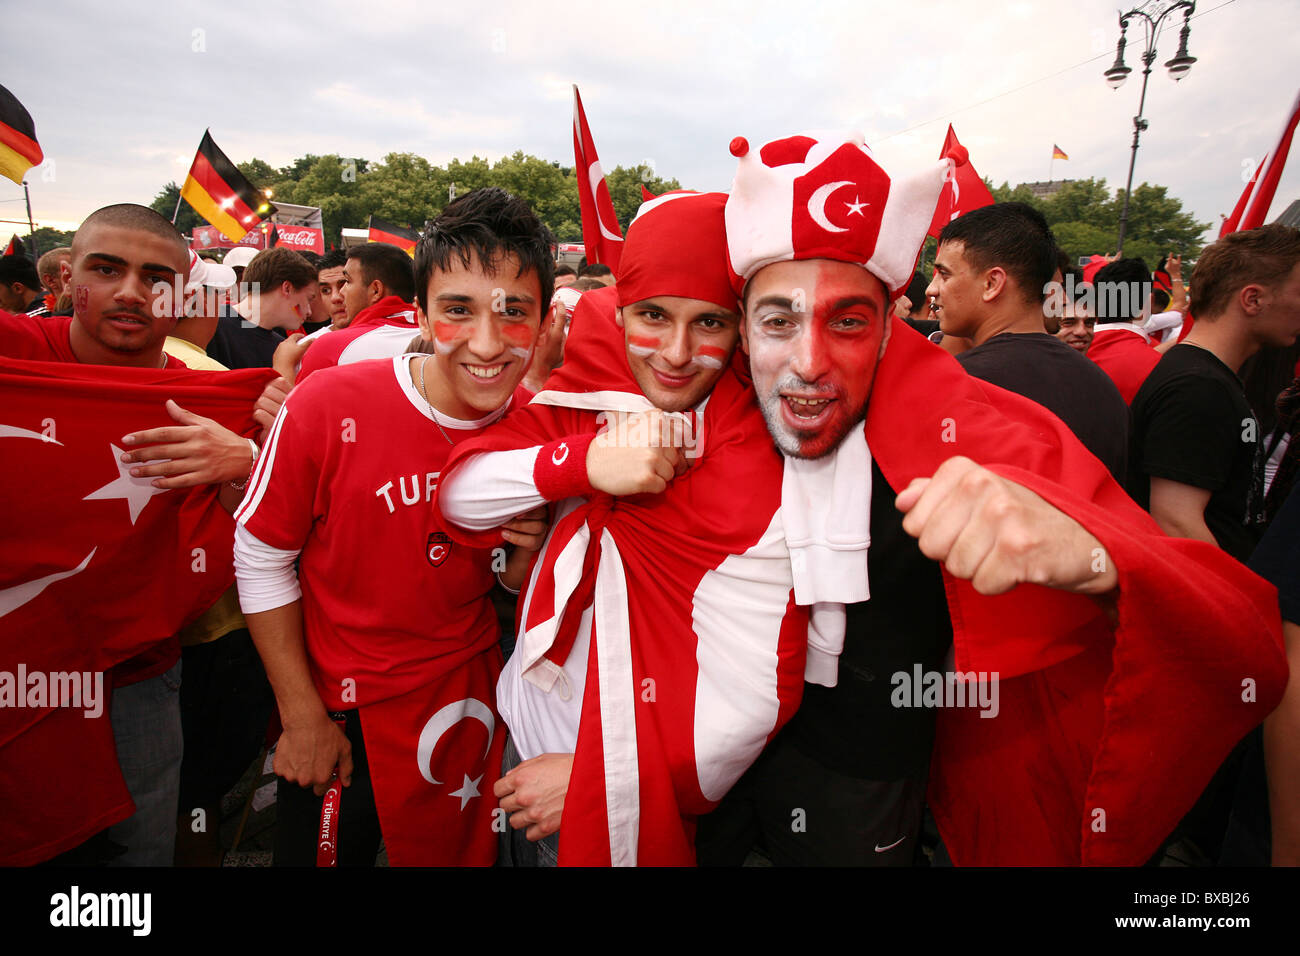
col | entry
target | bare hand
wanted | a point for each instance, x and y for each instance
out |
(1174, 265)
(527, 531)
(198, 451)
(997, 534)
(533, 794)
(288, 356)
(636, 453)
(309, 751)
(268, 405)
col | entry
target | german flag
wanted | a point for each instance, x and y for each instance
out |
(218, 192)
(383, 231)
(19, 150)
(1058, 153)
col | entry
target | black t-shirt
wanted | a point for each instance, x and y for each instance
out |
(1192, 424)
(240, 344)
(853, 728)
(1277, 559)
(1043, 368)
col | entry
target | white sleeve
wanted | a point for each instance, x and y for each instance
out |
(265, 575)
(491, 488)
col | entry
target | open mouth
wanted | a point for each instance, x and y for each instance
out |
(485, 373)
(807, 411)
(127, 321)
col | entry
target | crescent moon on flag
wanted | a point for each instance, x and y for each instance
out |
(15, 597)
(596, 176)
(817, 205)
(13, 431)
(443, 721)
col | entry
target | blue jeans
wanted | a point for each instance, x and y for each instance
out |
(147, 729)
(515, 848)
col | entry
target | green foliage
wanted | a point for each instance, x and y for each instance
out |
(408, 190)
(165, 204)
(1084, 216)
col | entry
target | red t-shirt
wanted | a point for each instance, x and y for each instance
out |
(47, 339)
(347, 476)
(1126, 357)
(389, 311)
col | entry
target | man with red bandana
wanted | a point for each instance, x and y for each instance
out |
(1039, 550)
(660, 645)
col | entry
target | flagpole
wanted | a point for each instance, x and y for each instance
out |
(31, 226)
(177, 211)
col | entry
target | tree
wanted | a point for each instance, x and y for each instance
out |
(1084, 217)
(625, 184)
(187, 220)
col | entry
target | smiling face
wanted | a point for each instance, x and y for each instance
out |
(483, 326)
(956, 291)
(678, 347)
(123, 282)
(814, 332)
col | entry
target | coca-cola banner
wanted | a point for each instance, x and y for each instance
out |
(210, 237)
(301, 238)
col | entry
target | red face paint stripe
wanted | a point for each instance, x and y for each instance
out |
(644, 341)
(446, 332)
(520, 335)
(712, 351)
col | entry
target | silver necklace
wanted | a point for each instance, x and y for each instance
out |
(425, 395)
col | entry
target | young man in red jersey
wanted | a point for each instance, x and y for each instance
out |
(407, 651)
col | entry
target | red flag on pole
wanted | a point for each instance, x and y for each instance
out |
(963, 192)
(600, 231)
(1230, 224)
(1262, 198)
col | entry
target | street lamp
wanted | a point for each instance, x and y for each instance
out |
(1178, 68)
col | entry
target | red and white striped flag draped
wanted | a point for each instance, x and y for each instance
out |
(1265, 181)
(600, 231)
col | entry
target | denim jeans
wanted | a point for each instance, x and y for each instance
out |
(515, 848)
(147, 729)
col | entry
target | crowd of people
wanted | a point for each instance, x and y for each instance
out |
(762, 545)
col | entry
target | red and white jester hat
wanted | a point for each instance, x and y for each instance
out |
(822, 195)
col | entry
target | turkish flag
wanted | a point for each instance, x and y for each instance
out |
(600, 230)
(962, 193)
(838, 205)
(95, 568)
(1271, 173)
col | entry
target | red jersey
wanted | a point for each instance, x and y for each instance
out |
(1125, 356)
(45, 339)
(386, 320)
(396, 619)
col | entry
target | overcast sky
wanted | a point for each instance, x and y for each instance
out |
(121, 92)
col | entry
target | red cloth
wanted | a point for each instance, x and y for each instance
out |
(704, 662)
(123, 573)
(1126, 357)
(1268, 178)
(1132, 722)
(344, 479)
(964, 192)
(677, 246)
(326, 350)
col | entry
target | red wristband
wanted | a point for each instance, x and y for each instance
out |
(560, 470)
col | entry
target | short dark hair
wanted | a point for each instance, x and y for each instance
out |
(19, 269)
(565, 271)
(916, 291)
(313, 259)
(1262, 256)
(595, 269)
(1013, 236)
(334, 259)
(129, 215)
(387, 263)
(487, 224)
(270, 267)
(1120, 290)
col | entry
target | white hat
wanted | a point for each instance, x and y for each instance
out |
(204, 273)
(822, 195)
(240, 256)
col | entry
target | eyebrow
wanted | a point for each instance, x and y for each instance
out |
(850, 301)
(780, 301)
(119, 261)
